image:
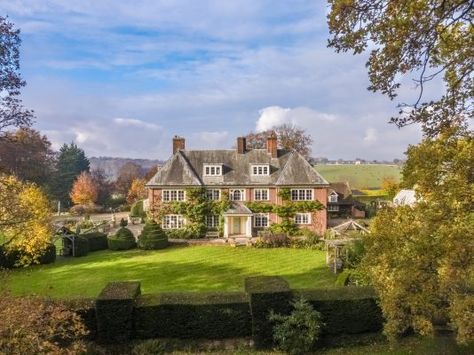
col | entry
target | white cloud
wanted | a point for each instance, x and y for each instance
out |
(371, 135)
(136, 123)
(210, 140)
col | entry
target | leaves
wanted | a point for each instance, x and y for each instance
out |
(84, 190)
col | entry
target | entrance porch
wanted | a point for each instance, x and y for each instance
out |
(238, 221)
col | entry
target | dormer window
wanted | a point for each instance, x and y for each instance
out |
(212, 170)
(332, 197)
(260, 169)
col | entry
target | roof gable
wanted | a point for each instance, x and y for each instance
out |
(176, 171)
(297, 171)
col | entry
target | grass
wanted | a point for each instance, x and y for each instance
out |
(363, 176)
(196, 268)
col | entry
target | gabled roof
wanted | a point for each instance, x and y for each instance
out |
(185, 167)
(176, 171)
(238, 208)
(405, 197)
(341, 188)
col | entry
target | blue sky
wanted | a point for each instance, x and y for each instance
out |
(120, 78)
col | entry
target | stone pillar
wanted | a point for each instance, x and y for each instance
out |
(248, 225)
(226, 227)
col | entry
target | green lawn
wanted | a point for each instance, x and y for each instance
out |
(359, 176)
(196, 268)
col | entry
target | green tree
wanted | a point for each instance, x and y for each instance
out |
(418, 39)
(420, 258)
(71, 162)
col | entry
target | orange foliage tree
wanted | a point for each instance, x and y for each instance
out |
(137, 190)
(84, 190)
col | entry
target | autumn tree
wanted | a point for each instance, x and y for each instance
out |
(137, 191)
(289, 137)
(28, 155)
(420, 258)
(126, 174)
(12, 112)
(84, 190)
(390, 186)
(71, 162)
(151, 172)
(104, 186)
(417, 39)
(25, 219)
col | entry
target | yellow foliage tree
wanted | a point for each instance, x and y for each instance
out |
(137, 190)
(25, 219)
(84, 190)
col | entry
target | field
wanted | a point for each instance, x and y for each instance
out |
(197, 268)
(363, 176)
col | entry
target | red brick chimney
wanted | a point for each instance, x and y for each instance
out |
(272, 142)
(178, 144)
(241, 145)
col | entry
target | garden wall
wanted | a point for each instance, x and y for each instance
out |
(122, 314)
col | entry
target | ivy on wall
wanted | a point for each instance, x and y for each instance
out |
(195, 209)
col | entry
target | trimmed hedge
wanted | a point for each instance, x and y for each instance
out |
(137, 210)
(81, 246)
(122, 240)
(8, 260)
(266, 293)
(114, 311)
(152, 237)
(212, 315)
(346, 310)
(97, 240)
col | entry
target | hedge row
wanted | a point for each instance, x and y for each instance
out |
(345, 310)
(210, 315)
(9, 260)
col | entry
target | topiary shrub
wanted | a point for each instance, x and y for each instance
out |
(49, 255)
(152, 237)
(122, 240)
(97, 240)
(297, 332)
(137, 210)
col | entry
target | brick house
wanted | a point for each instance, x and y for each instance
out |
(246, 175)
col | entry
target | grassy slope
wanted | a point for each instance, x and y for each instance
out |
(198, 268)
(359, 176)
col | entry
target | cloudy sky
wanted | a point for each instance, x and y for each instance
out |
(120, 78)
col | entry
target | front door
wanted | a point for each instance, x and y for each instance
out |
(236, 225)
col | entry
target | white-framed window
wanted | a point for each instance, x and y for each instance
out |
(212, 221)
(302, 194)
(332, 197)
(333, 208)
(237, 195)
(260, 169)
(172, 221)
(173, 195)
(303, 218)
(212, 170)
(261, 195)
(213, 194)
(260, 220)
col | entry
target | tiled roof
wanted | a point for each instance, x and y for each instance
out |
(185, 168)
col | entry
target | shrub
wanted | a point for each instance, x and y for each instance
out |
(181, 233)
(81, 246)
(122, 240)
(97, 240)
(123, 222)
(30, 325)
(345, 310)
(49, 255)
(297, 332)
(152, 237)
(352, 277)
(268, 240)
(11, 258)
(137, 210)
(353, 253)
(211, 315)
(309, 240)
(80, 210)
(149, 347)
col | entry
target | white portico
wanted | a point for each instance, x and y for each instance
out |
(238, 221)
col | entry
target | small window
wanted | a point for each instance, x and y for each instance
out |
(172, 221)
(213, 194)
(212, 170)
(302, 194)
(237, 195)
(212, 221)
(303, 218)
(260, 195)
(332, 208)
(260, 220)
(260, 170)
(332, 197)
(173, 195)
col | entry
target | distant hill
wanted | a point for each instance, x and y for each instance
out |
(363, 176)
(111, 166)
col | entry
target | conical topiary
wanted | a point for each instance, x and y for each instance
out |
(122, 240)
(152, 237)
